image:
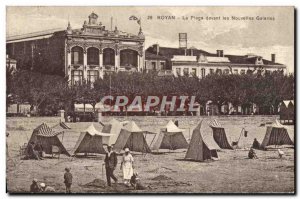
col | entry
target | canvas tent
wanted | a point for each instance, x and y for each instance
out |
(219, 135)
(47, 137)
(202, 146)
(170, 137)
(277, 134)
(243, 141)
(113, 127)
(91, 141)
(132, 137)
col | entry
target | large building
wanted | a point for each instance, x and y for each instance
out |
(197, 62)
(81, 54)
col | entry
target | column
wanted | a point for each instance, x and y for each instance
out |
(68, 67)
(101, 65)
(99, 116)
(85, 65)
(62, 115)
(117, 61)
(139, 62)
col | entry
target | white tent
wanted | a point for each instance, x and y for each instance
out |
(132, 137)
(113, 127)
(170, 137)
(91, 141)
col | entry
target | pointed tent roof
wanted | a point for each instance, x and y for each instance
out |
(114, 128)
(215, 124)
(93, 131)
(45, 131)
(172, 128)
(133, 127)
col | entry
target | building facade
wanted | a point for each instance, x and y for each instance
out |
(219, 63)
(81, 54)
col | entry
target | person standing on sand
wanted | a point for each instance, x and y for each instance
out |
(127, 166)
(110, 161)
(68, 179)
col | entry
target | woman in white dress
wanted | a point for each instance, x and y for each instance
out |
(127, 166)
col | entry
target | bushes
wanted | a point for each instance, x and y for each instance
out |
(50, 93)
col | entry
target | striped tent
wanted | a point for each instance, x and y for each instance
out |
(47, 137)
(219, 135)
(277, 134)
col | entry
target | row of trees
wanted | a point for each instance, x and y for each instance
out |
(50, 93)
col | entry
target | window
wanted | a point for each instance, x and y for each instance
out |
(108, 57)
(77, 76)
(77, 55)
(129, 58)
(226, 71)
(267, 72)
(93, 56)
(202, 72)
(153, 64)
(194, 71)
(185, 71)
(92, 75)
(211, 71)
(219, 71)
(236, 71)
(162, 65)
(243, 72)
(178, 71)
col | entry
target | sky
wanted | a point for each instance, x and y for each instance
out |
(247, 35)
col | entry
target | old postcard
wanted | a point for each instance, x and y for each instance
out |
(150, 100)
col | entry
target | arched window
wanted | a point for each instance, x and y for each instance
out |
(77, 55)
(93, 56)
(108, 57)
(128, 58)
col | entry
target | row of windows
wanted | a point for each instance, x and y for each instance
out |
(154, 66)
(127, 57)
(77, 76)
(211, 71)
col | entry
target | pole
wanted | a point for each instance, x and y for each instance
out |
(111, 23)
(102, 170)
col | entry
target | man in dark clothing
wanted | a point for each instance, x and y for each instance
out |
(34, 187)
(31, 152)
(111, 162)
(39, 148)
(255, 144)
(68, 180)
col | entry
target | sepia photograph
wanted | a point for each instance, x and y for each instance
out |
(150, 100)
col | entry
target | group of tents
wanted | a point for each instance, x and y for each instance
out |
(203, 144)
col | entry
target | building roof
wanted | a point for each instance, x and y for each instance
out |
(244, 59)
(33, 35)
(154, 56)
(184, 58)
(169, 53)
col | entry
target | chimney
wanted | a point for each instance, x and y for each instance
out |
(220, 53)
(156, 48)
(273, 58)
